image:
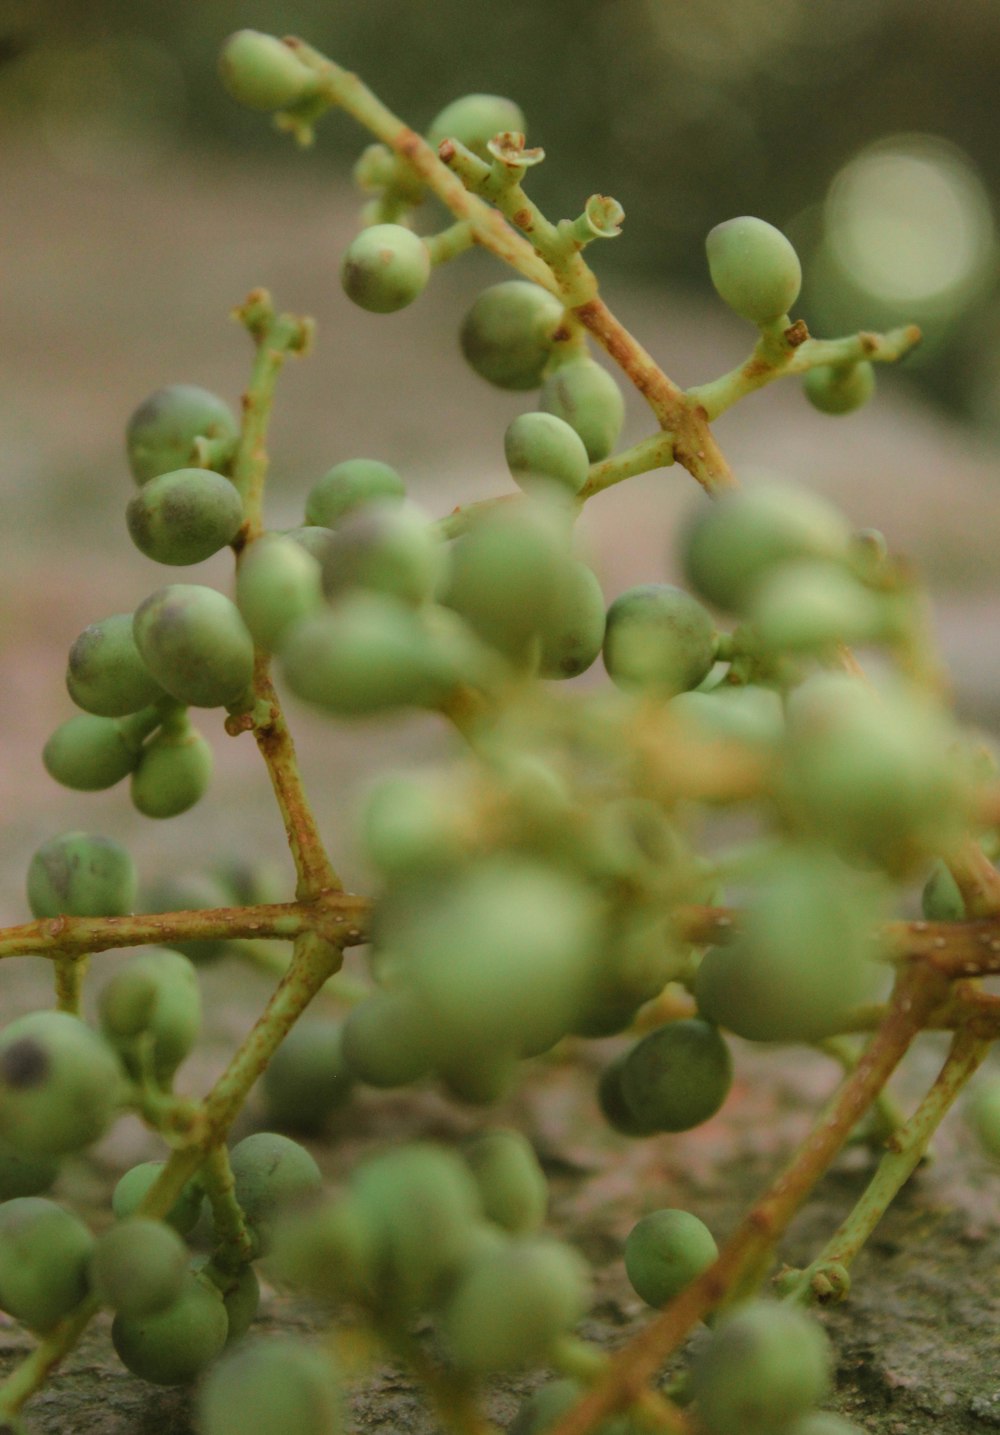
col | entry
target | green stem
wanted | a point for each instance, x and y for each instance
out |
(35, 1369)
(885, 1117)
(70, 971)
(276, 336)
(749, 1251)
(234, 1243)
(451, 242)
(338, 916)
(791, 351)
(657, 451)
(907, 1148)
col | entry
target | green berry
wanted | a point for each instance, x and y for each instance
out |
(658, 640)
(173, 770)
(89, 753)
(676, 1077)
(873, 773)
(185, 516)
(276, 1383)
(24, 1175)
(802, 957)
(133, 1187)
(386, 1041)
(512, 1185)
(195, 643)
(173, 1345)
(507, 335)
(422, 1206)
(544, 1407)
(733, 543)
(511, 1304)
(840, 390)
(161, 434)
(314, 539)
(809, 606)
(474, 120)
(277, 582)
(754, 268)
(385, 268)
(506, 575)
(390, 548)
(106, 674)
(611, 1100)
(59, 1084)
(329, 1251)
(744, 712)
(412, 822)
(588, 398)
(367, 654)
(506, 959)
(349, 485)
(666, 1251)
(263, 72)
(139, 1266)
(766, 1365)
(79, 874)
(545, 455)
(155, 994)
(44, 1254)
(306, 1079)
(823, 1422)
(271, 1172)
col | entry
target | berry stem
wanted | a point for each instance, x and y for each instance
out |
(917, 991)
(69, 973)
(657, 451)
(338, 916)
(906, 1148)
(35, 1369)
(790, 350)
(234, 1246)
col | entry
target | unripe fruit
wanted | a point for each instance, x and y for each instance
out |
(277, 582)
(173, 771)
(666, 1251)
(195, 644)
(24, 1175)
(474, 120)
(802, 957)
(270, 1173)
(185, 516)
(676, 1077)
(390, 548)
(78, 874)
(156, 993)
(139, 1266)
(172, 1345)
(512, 1303)
(840, 390)
(588, 398)
(984, 1113)
(89, 753)
(262, 72)
(766, 1365)
(134, 1186)
(349, 484)
(507, 335)
(385, 268)
(730, 545)
(59, 1084)
(306, 1079)
(368, 653)
(242, 1301)
(512, 1185)
(194, 891)
(272, 1384)
(572, 630)
(105, 674)
(545, 455)
(658, 640)
(809, 606)
(754, 268)
(386, 1041)
(160, 436)
(44, 1253)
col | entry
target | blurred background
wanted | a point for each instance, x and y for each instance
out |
(139, 203)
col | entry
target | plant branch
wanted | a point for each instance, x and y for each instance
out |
(916, 993)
